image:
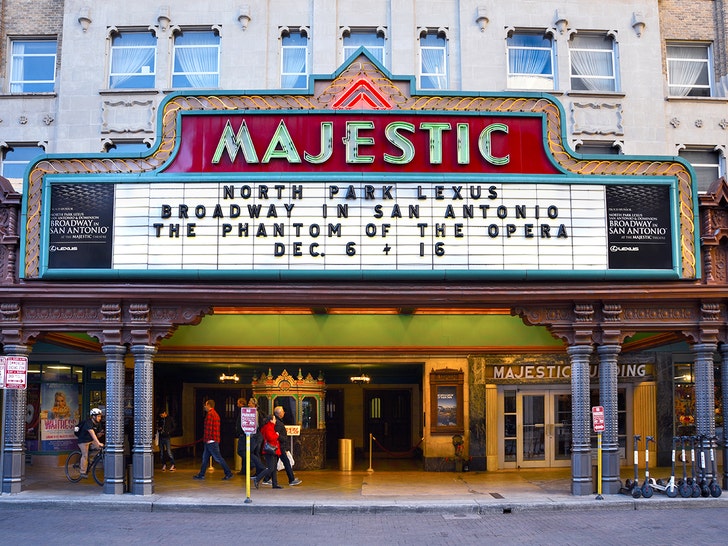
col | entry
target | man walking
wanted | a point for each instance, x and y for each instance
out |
(211, 440)
(285, 442)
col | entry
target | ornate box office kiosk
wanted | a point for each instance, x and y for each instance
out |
(302, 399)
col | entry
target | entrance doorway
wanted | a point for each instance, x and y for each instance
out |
(388, 416)
(225, 406)
(535, 428)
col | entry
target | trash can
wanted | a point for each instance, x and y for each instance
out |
(346, 454)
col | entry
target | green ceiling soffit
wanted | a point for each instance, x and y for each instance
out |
(361, 331)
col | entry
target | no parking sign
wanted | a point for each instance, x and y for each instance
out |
(598, 418)
(14, 372)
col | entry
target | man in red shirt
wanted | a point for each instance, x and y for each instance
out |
(211, 441)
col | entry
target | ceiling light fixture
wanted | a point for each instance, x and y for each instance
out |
(232, 378)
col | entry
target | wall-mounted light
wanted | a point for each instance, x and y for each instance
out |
(638, 23)
(361, 378)
(244, 16)
(481, 17)
(84, 18)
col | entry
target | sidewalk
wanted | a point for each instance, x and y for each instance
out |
(390, 489)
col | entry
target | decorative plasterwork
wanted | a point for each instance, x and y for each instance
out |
(109, 322)
(127, 116)
(591, 118)
(400, 99)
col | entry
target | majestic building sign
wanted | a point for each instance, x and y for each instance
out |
(360, 180)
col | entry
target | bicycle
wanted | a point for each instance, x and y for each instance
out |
(95, 466)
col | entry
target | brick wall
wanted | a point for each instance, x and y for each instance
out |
(28, 18)
(705, 20)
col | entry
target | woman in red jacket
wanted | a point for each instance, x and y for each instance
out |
(270, 438)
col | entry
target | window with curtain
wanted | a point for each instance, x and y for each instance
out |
(196, 59)
(433, 62)
(706, 164)
(33, 66)
(530, 61)
(593, 65)
(16, 159)
(373, 42)
(688, 70)
(294, 61)
(132, 61)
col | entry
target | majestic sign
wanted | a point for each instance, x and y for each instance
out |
(297, 187)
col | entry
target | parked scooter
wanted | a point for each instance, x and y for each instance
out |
(670, 489)
(647, 489)
(633, 487)
(703, 482)
(693, 471)
(714, 487)
(684, 486)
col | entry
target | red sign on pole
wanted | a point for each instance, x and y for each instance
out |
(16, 372)
(249, 420)
(598, 418)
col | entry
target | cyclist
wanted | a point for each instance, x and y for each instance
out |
(89, 434)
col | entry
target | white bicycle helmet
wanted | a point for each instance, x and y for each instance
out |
(96, 411)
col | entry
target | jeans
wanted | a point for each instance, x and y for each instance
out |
(287, 466)
(271, 471)
(212, 449)
(165, 448)
(254, 457)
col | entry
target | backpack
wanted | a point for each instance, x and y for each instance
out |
(78, 428)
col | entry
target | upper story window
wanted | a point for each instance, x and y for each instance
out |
(132, 60)
(707, 166)
(128, 147)
(593, 65)
(196, 59)
(433, 61)
(688, 70)
(597, 148)
(33, 66)
(16, 159)
(530, 61)
(294, 60)
(373, 41)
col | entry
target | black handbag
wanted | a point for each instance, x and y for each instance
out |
(269, 449)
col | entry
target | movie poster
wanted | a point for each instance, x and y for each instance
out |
(58, 416)
(447, 405)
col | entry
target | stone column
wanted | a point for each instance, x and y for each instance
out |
(724, 387)
(581, 481)
(14, 411)
(114, 465)
(704, 393)
(608, 354)
(143, 471)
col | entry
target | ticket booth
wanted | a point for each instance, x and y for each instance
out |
(302, 398)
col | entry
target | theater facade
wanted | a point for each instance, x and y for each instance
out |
(426, 268)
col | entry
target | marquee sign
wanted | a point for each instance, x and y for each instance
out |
(360, 180)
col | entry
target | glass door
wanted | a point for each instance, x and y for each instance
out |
(533, 428)
(536, 428)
